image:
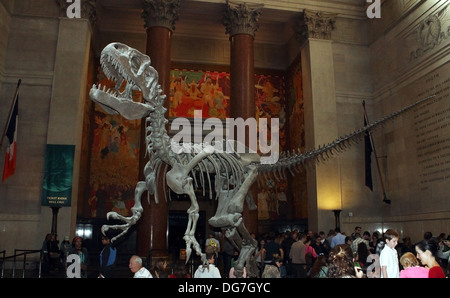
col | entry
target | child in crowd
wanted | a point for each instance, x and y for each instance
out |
(411, 267)
(209, 270)
(389, 256)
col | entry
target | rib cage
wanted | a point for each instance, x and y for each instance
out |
(226, 165)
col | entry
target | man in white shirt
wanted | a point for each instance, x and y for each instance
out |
(138, 269)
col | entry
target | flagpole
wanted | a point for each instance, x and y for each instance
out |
(385, 199)
(10, 112)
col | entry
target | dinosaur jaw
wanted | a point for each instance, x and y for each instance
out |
(130, 70)
(113, 104)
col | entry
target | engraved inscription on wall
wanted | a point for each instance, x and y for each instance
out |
(432, 137)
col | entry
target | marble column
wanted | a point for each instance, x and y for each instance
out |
(323, 182)
(160, 17)
(241, 22)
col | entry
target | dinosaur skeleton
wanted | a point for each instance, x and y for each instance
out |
(234, 173)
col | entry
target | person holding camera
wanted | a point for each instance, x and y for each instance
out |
(444, 254)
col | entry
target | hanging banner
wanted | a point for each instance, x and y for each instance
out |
(58, 174)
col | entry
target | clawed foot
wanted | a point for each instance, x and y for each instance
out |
(192, 242)
(129, 221)
(114, 215)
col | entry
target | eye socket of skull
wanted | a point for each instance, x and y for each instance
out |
(135, 63)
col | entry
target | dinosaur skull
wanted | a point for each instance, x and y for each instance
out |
(121, 63)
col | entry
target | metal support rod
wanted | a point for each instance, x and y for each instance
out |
(385, 199)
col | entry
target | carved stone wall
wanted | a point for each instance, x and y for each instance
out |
(389, 62)
(409, 62)
(41, 8)
(4, 32)
(392, 14)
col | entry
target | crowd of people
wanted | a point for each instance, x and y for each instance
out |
(55, 255)
(358, 255)
(292, 254)
(307, 254)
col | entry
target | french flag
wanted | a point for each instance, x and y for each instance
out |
(11, 133)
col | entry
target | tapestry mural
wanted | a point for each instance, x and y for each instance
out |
(114, 161)
(270, 103)
(208, 91)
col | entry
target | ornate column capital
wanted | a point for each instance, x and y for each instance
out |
(242, 18)
(161, 13)
(88, 9)
(314, 24)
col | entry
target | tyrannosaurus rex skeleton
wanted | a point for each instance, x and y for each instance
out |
(234, 173)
